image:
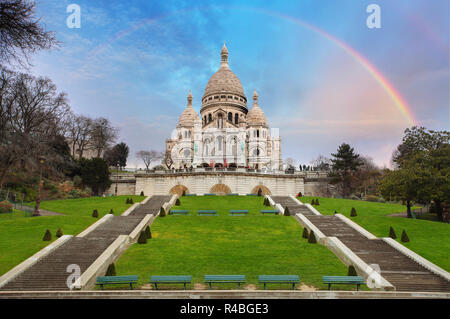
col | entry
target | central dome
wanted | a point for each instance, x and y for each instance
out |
(224, 80)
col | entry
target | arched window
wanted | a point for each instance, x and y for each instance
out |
(209, 117)
(257, 133)
(220, 121)
(205, 119)
(220, 141)
(236, 118)
(230, 117)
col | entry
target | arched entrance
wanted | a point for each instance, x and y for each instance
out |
(264, 190)
(220, 189)
(178, 189)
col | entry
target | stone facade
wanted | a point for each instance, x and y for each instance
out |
(226, 134)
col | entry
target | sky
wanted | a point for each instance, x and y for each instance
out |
(323, 77)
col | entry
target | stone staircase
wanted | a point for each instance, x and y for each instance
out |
(50, 273)
(294, 207)
(401, 271)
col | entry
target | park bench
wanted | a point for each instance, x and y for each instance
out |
(252, 194)
(190, 194)
(214, 279)
(178, 212)
(170, 280)
(114, 280)
(238, 212)
(209, 194)
(207, 212)
(280, 279)
(345, 280)
(233, 194)
(270, 211)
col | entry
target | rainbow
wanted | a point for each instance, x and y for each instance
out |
(396, 97)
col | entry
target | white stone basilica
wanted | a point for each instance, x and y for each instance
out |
(227, 134)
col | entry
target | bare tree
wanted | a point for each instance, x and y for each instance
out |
(20, 32)
(290, 162)
(103, 135)
(149, 156)
(168, 161)
(84, 127)
(322, 163)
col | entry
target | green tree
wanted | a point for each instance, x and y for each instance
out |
(344, 168)
(95, 174)
(118, 154)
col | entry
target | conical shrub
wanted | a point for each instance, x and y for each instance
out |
(111, 212)
(266, 202)
(59, 232)
(305, 233)
(317, 202)
(148, 232)
(335, 212)
(47, 236)
(312, 238)
(142, 193)
(162, 212)
(259, 191)
(352, 271)
(405, 238)
(177, 202)
(313, 202)
(142, 238)
(131, 201)
(95, 213)
(392, 233)
(127, 201)
(353, 212)
(286, 211)
(111, 271)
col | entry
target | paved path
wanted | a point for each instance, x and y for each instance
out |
(401, 271)
(50, 272)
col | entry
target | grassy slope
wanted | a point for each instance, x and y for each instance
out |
(429, 239)
(21, 237)
(252, 245)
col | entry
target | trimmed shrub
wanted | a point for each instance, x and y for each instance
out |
(5, 207)
(405, 238)
(392, 233)
(266, 202)
(353, 212)
(184, 193)
(148, 232)
(177, 202)
(111, 212)
(299, 194)
(142, 193)
(259, 191)
(352, 271)
(59, 232)
(317, 202)
(127, 201)
(335, 212)
(313, 202)
(142, 238)
(286, 211)
(95, 213)
(131, 201)
(47, 236)
(312, 238)
(162, 212)
(111, 271)
(305, 233)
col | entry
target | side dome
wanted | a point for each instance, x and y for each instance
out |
(256, 116)
(189, 115)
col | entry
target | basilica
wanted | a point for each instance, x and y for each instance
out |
(227, 133)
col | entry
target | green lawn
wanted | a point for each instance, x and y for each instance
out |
(250, 245)
(429, 239)
(21, 237)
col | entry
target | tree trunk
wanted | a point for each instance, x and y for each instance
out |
(439, 210)
(408, 209)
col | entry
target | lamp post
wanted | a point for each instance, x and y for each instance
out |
(117, 179)
(38, 198)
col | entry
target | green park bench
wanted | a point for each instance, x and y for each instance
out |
(270, 211)
(190, 194)
(115, 280)
(178, 212)
(209, 194)
(207, 212)
(252, 194)
(238, 212)
(279, 279)
(233, 194)
(215, 279)
(170, 280)
(345, 280)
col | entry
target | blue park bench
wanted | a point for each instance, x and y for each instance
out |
(252, 194)
(114, 280)
(214, 279)
(238, 212)
(190, 194)
(279, 279)
(233, 194)
(170, 280)
(209, 194)
(345, 280)
(207, 212)
(178, 212)
(270, 211)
